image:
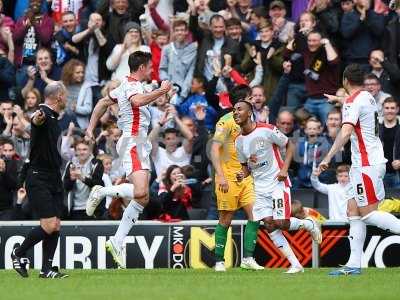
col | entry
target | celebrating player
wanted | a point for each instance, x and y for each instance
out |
(258, 151)
(231, 194)
(360, 125)
(133, 147)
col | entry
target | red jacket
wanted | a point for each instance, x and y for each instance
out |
(155, 59)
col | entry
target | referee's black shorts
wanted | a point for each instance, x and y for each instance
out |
(45, 193)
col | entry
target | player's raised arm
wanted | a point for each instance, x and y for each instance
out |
(98, 112)
(341, 140)
(144, 99)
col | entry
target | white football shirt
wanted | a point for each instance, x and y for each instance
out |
(133, 120)
(260, 150)
(360, 110)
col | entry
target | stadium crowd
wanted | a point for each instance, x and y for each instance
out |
(291, 55)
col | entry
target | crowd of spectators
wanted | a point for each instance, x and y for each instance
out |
(290, 53)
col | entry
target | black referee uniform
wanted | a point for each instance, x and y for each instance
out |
(43, 181)
(45, 193)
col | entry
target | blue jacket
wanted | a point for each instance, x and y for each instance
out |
(188, 106)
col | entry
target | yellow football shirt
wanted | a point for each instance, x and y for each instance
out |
(226, 132)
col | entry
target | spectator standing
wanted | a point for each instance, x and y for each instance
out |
(178, 58)
(271, 51)
(7, 76)
(293, 56)
(362, 30)
(6, 109)
(172, 154)
(31, 102)
(285, 122)
(8, 184)
(81, 174)
(373, 85)
(309, 152)
(116, 13)
(321, 63)
(33, 31)
(283, 28)
(118, 60)
(387, 73)
(6, 37)
(65, 48)
(214, 45)
(387, 133)
(44, 73)
(260, 109)
(197, 101)
(18, 131)
(96, 49)
(79, 97)
(391, 41)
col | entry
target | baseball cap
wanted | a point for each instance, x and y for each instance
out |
(277, 3)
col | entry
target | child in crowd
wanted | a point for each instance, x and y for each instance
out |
(309, 152)
(336, 192)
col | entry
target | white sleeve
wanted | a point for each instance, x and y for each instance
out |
(239, 149)
(351, 113)
(320, 187)
(115, 94)
(133, 89)
(278, 137)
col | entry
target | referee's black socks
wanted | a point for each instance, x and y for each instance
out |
(49, 248)
(34, 236)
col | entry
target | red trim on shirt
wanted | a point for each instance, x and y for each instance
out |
(278, 158)
(135, 120)
(286, 198)
(361, 145)
(131, 79)
(352, 97)
(369, 189)
(265, 125)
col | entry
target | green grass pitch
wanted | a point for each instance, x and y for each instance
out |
(165, 284)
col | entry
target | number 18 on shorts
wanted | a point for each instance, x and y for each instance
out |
(275, 204)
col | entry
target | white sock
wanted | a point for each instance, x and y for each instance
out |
(296, 224)
(383, 220)
(130, 216)
(357, 233)
(282, 244)
(124, 190)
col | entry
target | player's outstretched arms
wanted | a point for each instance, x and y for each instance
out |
(144, 99)
(98, 112)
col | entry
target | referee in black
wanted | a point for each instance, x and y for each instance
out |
(43, 182)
